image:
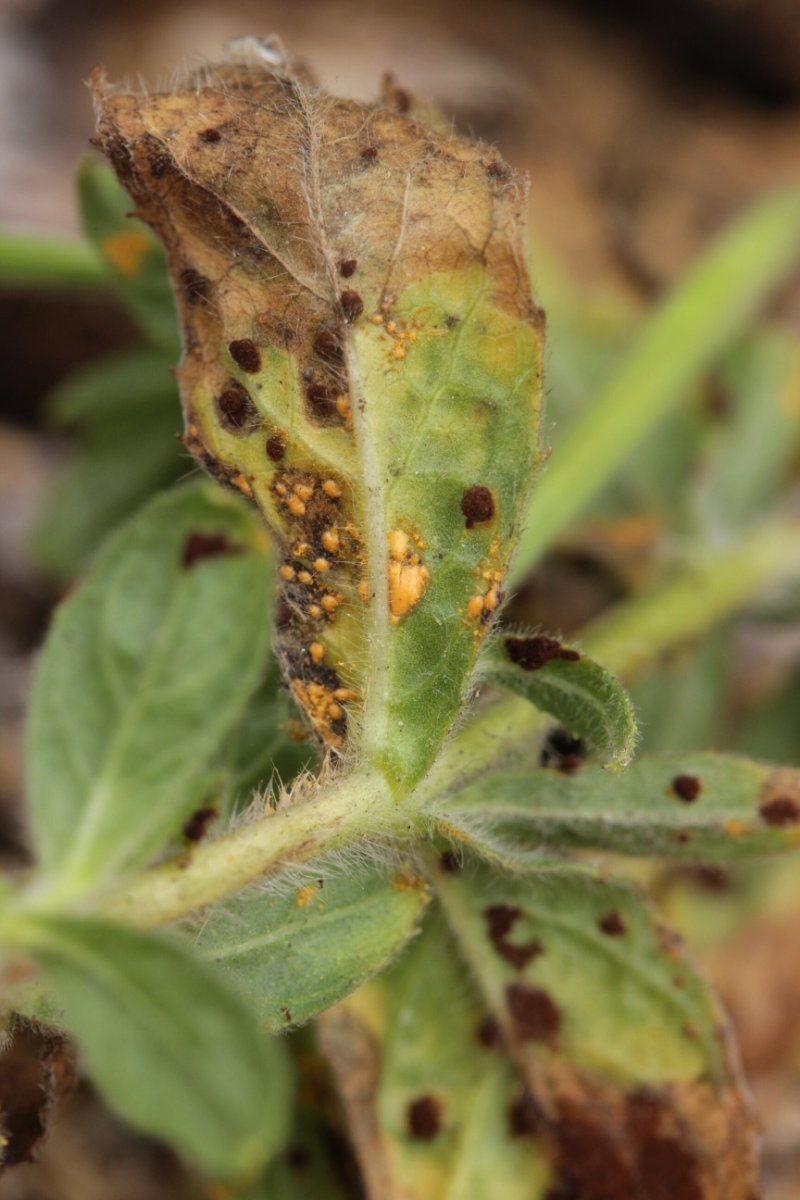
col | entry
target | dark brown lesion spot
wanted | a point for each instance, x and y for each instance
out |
(612, 924)
(194, 285)
(348, 267)
(237, 411)
(197, 826)
(199, 545)
(209, 136)
(246, 354)
(424, 1118)
(780, 811)
(352, 305)
(477, 505)
(328, 346)
(276, 447)
(535, 1017)
(532, 653)
(488, 1034)
(686, 787)
(321, 400)
(525, 1118)
(369, 153)
(500, 920)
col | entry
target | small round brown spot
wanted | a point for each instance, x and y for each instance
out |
(352, 305)
(246, 355)
(209, 135)
(780, 812)
(500, 920)
(276, 447)
(686, 787)
(348, 267)
(424, 1118)
(236, 409)
(199, 545)
(369, 153)
(328, 345)
(536, 1018)
(196, 827)
(477, 505)
(488, 1034)
(612, 924)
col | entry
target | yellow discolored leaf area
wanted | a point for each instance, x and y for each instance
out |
(362, 361)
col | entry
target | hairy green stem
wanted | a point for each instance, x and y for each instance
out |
(355, 809)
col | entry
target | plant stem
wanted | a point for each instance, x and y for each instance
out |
(354, 809)
(715, 303)
(30, 260)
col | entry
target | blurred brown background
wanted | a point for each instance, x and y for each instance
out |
(644, 127)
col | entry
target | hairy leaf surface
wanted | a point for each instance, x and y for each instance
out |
(146, 668)
(362, 360)
(699, 807)
(565, 683)
(173, 1051)
(294, 955)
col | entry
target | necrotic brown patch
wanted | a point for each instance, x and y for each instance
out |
(665, 1167)
(199, 545)
(321, 400)
(352, 305)
(348, 267)
(209, 136)
(500, 919)
(488, 1033)
(534, 652)
(424, 1117)
(536, 1018)
(686, 787)
(236, 410)
(246, 355)
(781, 811)
(477, 505)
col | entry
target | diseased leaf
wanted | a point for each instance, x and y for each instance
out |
(435, 1109)
(293, 956)
(363, 360)
(127, 412)
(565, 683)
(616, 1035)
(134, 259)
(172, 1050)
(146, 668)
(699, 807)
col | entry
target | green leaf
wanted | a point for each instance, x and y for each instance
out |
(756, 440)
(434, 1108)
(172, 1050)
(35, 260)
(617, 1037)
(133, 257)
(386, 420)
(147, 667)
(565, 683)
(128, 414)
(697, 807)
(703, 316)
(294, 955)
